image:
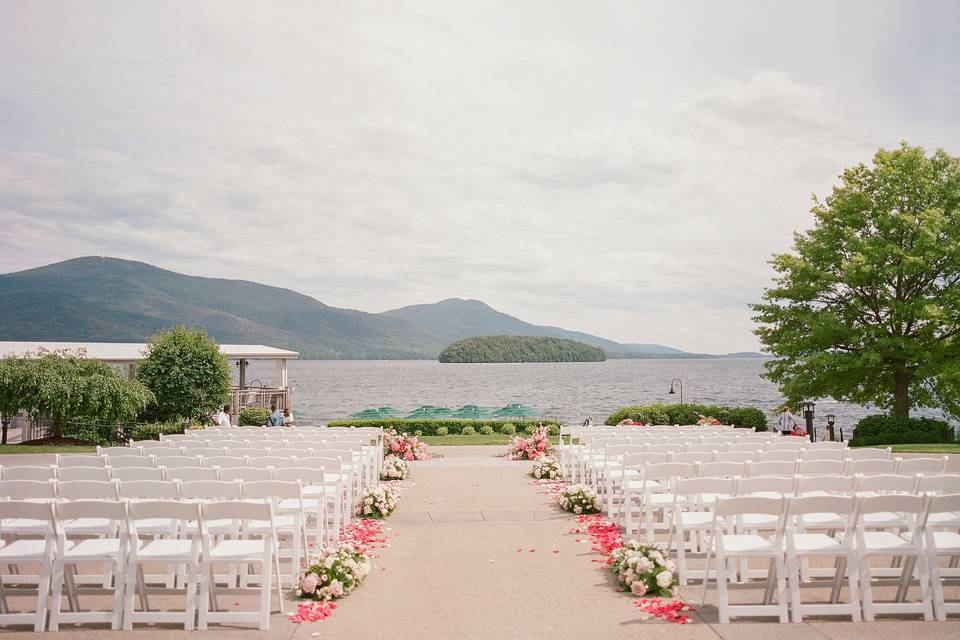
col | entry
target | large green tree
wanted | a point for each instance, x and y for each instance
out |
(186, 373)
(867, 306)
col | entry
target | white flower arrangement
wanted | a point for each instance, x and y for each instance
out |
(545, 468)
(377, 503)
(579, 499)
(644, 569)
(394, 468)
(338, 570)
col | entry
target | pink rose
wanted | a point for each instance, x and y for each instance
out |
(409, 456)
(310, 583)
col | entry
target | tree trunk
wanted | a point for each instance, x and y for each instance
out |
(6, 425)
(901, 397)
(58, 428)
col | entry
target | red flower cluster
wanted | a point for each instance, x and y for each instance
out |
(313, 611)
(364, 535)
(605, 535)
(669, 611)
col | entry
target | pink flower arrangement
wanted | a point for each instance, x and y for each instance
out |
(707, 421)
(531, 448)
(405, 446)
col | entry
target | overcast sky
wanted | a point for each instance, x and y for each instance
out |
(621, 168)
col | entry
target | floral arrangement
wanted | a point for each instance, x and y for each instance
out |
(338, 571)
(404, 446)
(707, 421)
(644, 569)
(394, 468)
(545, 468)
(579, 499)
(537, 445)
(377, 502)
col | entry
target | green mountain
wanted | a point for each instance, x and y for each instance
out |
(520, 349)
(98, 299)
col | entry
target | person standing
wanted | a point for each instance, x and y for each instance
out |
(786, 420)
(275, 419)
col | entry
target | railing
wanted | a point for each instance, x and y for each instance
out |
(258, 397)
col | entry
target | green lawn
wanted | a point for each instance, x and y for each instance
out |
(446, 441)
(953, 447)
(21, 449)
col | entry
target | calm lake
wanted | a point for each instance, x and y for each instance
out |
(331, 389)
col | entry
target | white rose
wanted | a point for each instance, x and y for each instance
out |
(367, 511)
(671, 566)
(643, 565)
(577, 509)
(638, 588)
(664, 578)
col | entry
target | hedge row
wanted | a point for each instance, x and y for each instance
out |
(253, 417)
(883, 430)
(687, 413)
(452, 427)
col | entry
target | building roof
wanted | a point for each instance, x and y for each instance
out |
(133, 351)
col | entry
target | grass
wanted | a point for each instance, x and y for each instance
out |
(441, 441)
(941, 447)
(21, 449)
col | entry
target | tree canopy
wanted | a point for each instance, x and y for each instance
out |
(520, 349)
(186, 373)
(867, 306)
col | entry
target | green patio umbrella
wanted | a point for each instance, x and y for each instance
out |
(367, 414)
(426, 412)
(471, 412)
(516, 411)
(442, 412)
(387, 412)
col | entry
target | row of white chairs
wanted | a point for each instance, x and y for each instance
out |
(127, 543)
(789, 531)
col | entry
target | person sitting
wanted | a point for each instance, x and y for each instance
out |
(275, 419)
(288, 418)
(222, 417)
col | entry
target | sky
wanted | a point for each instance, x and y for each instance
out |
(621, 168)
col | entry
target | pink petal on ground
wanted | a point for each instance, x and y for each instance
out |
(531, 550)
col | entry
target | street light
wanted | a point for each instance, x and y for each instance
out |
(831, 419)
(807, 408)
(671, 392)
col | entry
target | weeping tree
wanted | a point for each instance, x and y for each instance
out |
(12, 377)
(866, 308)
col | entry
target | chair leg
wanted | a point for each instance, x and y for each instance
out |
(851, 568)
(190, 606)
(69, 575)
(129, 595)
(205, 585)
(939, 605)
(924, 577)
(43, 596)
(56, 595)
(723, 600)
(116, 622)
(866, 587)
(782, 588)
(794, 571)
(266, 590)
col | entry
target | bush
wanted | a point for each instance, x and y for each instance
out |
(253, 417)
(689, 413)
(442, 431)
(452, 425)
(884, 430)
(153, 430)
(486, 430)
(468, 431)
(418, 432)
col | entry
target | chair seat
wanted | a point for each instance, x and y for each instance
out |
(237, 550)
(23, 526)
(819, 542)
(699, 519)
(946, 541)
(663, 499)
(884, 519)
(280, 523)
(94, 548)
(747, 544)
(944, 519)
(820, 520)
(166, 549)
(156, 525)
(222, 526)
(88, 525)
(24, 550)
(885, 541)
(755, 520)
(642, 484)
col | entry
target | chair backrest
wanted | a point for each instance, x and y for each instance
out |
(749, 505)
(164, 452)
(692, 457)
(669, 470)
(191, 474)
(886, 484)
(722, 469)
(749, 447)
(230, 444)
(780, 455)
(811, 455)
(892, 503)
(272, 489)
(129, 462)
(791, 444)
(211, 490)
(80, 461)
(868, 453)
(239, 452)
(305, 475)
(263, 462)
(118, 452)
(872, 466)
(827, 467)
(155, 509)
(245, 511)
(922, 465)
(87, 490)
(766, 486)
(704, 448)
(27, 489)
(291, 453)
(946, 503)
(91, 508)
(136, 473)
(101, 474)
(939, 483)
(157, 489)
(16, 509)
(43, 474)
(841, 505)
(827, 444)
(223, 461)
(244, 474)
(177, 462)
(632, 460)
(206, 451)
(617, 450)
(693, 488)
(737, 456)
(148, 444)
(772, 468)
(826, 484)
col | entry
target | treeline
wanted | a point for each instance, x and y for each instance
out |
(520, 349)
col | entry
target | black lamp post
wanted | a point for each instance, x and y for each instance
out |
(808, 418)
(831, 419)
(671, 392)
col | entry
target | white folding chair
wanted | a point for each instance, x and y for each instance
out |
(205, 451)
(922, 465)
(813, 455)
(177, 462)
(244, 474)
(136, 473)
(821, 467)
(335, 488)
(772, 468)
(629, 477)
(692, 518)
(871, 467)
(119, 452)
(691, 457)
(722, 469)
(780, 455)
(245, 452)
(77, 460)
(729, 544)
(942, 543)
(67, 474)
(657, 496)
(243, 550)
(174, 552)
(191, 474)
(871, 543)
(276, 462)
(737, 456)
(224, 461)
(315, 500)
(43, 474)
(868, 453)
(289, 522)
(129, 462)
(39, 551)
(802, 544)
(165, 452)
(110, 550)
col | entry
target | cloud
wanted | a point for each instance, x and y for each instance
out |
(625, 170)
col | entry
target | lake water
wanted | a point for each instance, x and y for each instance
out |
(572, 391)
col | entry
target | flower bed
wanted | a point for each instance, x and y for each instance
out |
(644, 569)
(404, 446)
(394, 468)
(532, 447)
(377, 503)
(579, 499)
(545, 468)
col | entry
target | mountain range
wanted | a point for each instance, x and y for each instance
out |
(98, 299)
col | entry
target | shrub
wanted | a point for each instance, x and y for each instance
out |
(468, 431)
(429, 427)
(253, 417)
(553, 429)
(508, 429)
(442, 431)
(153, 430)
(689, 413)
(486, 430)
(418, 432)
(884, 429)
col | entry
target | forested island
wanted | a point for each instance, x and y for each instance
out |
(520, 349)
